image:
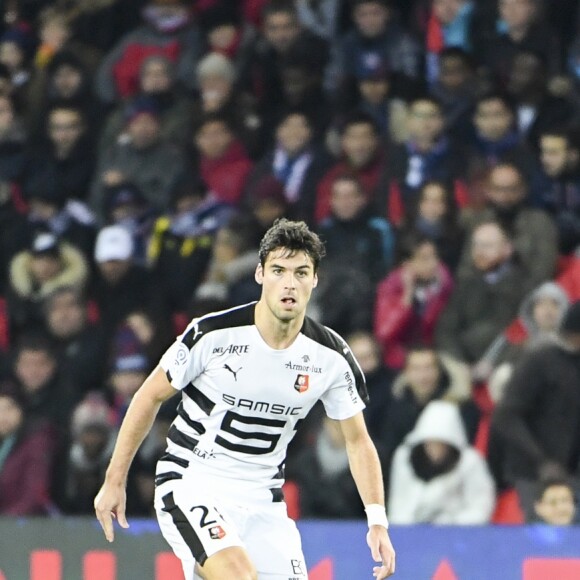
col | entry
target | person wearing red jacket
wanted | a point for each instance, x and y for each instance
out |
(26, 458)
(410, 299)
(223, 163)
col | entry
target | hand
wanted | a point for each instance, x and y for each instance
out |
(382, 551)
(110, 503)
(481, 371)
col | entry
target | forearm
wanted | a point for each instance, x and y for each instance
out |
(366, 470)
(136, 424)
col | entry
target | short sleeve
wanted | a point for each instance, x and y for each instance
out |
(342, 400)
(184, 360)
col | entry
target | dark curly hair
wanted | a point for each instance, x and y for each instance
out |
(293, 237)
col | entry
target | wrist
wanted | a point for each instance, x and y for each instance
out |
(377, 515)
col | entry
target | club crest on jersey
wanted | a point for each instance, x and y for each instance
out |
(301, 383)
(216, 532)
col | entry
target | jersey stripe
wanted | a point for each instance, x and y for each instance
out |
(185, 529)
(195, 425)
(203, 401)
(181, 439)
(174, 459)
(167, 476)
(330, 339)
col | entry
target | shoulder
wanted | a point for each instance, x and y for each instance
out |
(236, 317)
(332, 341)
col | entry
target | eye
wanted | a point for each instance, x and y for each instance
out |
(301, 273)
(277, 270)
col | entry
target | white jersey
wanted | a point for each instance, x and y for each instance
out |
(242, 400)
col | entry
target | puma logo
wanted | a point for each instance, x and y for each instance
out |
(235, 373)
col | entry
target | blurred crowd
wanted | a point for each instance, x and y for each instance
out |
(147, 145)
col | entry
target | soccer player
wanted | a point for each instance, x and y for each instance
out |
(248, 377)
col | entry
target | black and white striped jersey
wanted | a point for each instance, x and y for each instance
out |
(242, 400)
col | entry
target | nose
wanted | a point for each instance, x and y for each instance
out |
(290, 280)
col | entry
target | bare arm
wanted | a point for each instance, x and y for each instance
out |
(366, 471)
(111, 499)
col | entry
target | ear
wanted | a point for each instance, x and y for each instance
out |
(259, 274)
(315, 282)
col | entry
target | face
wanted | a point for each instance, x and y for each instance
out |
(65, 128)
(425, 122)
(489, 247)
(423, 373)
(268, 210)
(11, 55)
(297, 83)
(547, 314)
(436, 451)
(66, 315)
(447, 10)
(281, 29)
(374, 91)
(424, 263)
(67, 80)
(505, 187)
(155, 77)
(366, 353)
(221, 37)
(557, 506)
(347, 199)
(55, 32)
(34, 369)
(371, 18)
(93, 441)
(215, 89)
(224, 248)
(433, 204)
(359, 144)
(144, 130)
(453, 73)
(287, 282)
(45, 267)
(113, 271)
(11, 416)
(493, 120)
(6, 114)
(554, 154)
(517, 13)
(213, 139)
(526, 75)
(127, 383)
(294, 133)
(142, 326)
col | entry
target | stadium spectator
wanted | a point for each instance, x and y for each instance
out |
(427, 376)
(65, 159)
(296, 161)
(12, 141)
(540, 316)
(218, 93)
(223, 162)
(326, 487)
(167, 29)
(537, 109)
(157, 82)
(435, 215)
(352, 234)
(560, 193)
(531, 230)
(266, 201)
(36, 272)
(87, 456)
(436, 477)
(321, 17)
(410, 299)
(520, 27)
(230, 275)
(27, 453)
(362, 156)
(16, 47)
(536, 422)
(379, 378)
(143, 157)
(377, 36)
(79, 343)
(427, 154)
(555, 503)
(120, 286)
(486, 300)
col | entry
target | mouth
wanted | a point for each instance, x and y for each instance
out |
(288, 301)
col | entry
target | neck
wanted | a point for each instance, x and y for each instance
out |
(277, 334)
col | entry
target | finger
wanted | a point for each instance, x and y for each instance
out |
(121, 517)
(375, 551)
(106, 521)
